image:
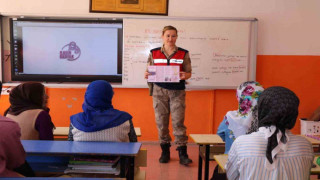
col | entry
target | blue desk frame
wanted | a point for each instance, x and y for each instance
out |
(53, 178)
(71, 148)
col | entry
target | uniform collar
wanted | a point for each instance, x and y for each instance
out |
(175, 49)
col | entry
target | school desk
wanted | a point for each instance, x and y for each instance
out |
(58, 178)
(316, 168)
(315, 143)
(127, 151)
(205, 141)
(222, 161)
(223, 158)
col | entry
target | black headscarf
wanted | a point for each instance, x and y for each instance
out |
(26, 96)
(277, 106)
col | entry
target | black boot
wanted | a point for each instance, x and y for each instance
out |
(165, 155)
(184, 159)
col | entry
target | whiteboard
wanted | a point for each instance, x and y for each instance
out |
(222, 51)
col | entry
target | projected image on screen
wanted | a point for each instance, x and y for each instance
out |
(74, 51)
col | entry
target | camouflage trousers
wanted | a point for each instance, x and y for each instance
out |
(164, 102)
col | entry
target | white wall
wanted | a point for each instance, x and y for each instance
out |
(286, 27)
(5, 65)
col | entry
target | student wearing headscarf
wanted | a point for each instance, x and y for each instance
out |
(12, 154)
(273, 152)
(244, 119)
(99, 121)
(29, 109)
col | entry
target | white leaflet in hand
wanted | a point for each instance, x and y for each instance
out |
(164, 74)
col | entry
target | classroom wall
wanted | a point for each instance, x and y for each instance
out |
(288, 55)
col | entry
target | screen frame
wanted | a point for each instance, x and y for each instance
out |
(65, 78)
(2, 58)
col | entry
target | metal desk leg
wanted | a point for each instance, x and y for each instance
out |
(127, 167)
(200, 164)
(122, 167)
(206, 166)
(130, 175)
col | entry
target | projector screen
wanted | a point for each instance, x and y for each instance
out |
(65, 50)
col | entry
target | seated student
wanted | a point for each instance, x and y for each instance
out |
(273, 152)
(240, 121)
(99, 121)
(315, 116)
(28, 108)
(12, 154)
(243, 120)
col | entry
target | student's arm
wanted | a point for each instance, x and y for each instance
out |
(132, 134)
(25, 170)
(315, 116)
(12, 154)
(44, 126)
(232, 163)
(70, 135)
(223, 127)
(4, 172)
(8, 173)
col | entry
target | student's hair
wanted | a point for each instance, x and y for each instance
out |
(166, 28)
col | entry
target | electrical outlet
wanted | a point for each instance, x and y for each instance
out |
(6, 90)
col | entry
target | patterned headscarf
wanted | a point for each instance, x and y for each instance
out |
(243, 120)
(98, 112)
(277, 112)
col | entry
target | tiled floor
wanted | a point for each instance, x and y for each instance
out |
(172, 170)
